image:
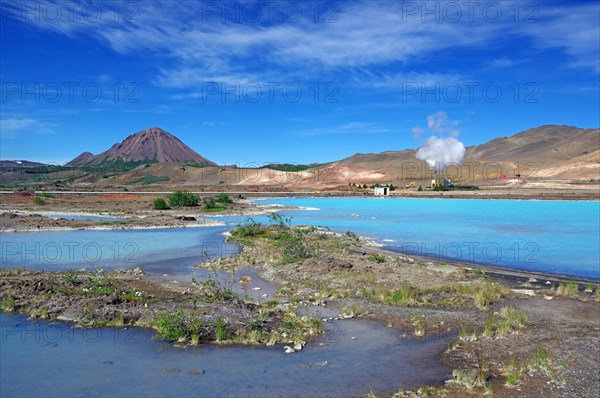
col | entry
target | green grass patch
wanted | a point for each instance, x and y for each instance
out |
(150, 180)
(377, 258)
(286, 167)
(113, 222)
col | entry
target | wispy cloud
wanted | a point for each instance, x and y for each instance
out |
(344, 129)
(15, 127)
(367, 38)
(574, 29)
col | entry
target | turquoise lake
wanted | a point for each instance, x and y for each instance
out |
(556, 237)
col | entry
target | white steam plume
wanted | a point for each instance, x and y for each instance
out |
(443, 147)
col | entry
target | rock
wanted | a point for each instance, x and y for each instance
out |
(548, 283)
(527, 292)
(171, 370)
(138, 271)
(257, 288)
(298, 346)
(532, 280)
(548, 297)
(197, 372)
(289, 350)
(186, 218)
(468, 377)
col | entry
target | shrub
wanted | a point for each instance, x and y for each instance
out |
(210, 203)
(279, 220)
(223, 198)
(160, 204)
(215, 291)
(44, 195)
(183, 198)
(171, 326)
(71, 277)
(249, 228)
(220, 330)
(39, 201)
(294, 247)
(377, 258)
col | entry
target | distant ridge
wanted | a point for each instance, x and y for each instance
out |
(154, 144)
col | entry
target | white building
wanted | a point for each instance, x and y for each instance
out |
(381, 191)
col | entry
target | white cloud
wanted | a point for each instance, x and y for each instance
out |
(344, 129)
(574, 29)
(368, 37)
(13, 127)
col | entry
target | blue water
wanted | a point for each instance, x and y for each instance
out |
(151, 249)
(555, 237)
(42, 359)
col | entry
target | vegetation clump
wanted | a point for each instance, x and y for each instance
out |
(183, 199)
(160, 204)
(224, 199)
(249, 228)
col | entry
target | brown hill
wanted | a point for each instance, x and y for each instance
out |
(556, 152)
(551, 151)
(153, 144)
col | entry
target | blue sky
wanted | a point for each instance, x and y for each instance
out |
(294, 81)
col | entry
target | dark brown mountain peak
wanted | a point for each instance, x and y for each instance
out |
(153, 144)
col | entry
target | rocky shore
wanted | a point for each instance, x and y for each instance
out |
(508, 335)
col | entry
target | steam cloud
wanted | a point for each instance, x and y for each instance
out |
(438, 151)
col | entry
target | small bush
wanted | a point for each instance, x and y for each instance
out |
(294, 247)
(220, 330)
(171, 327)
(44, 195)
(377, 258)
(211, 205)
(249, 228)
(71, 277)
(223, 198)
(39, 201)
(351, 234)
(279, 220)
(183, 199)
(160, 204)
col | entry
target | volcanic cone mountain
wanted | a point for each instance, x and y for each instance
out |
(153, 144)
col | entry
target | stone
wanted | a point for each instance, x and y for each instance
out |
(171, 370)
(289, 350)
(468, 377)
(197, 372)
